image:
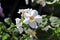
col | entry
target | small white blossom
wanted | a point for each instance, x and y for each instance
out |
(19, 25)
(41, 2)
(32, 19)
(32, 33)
(24, 12)
(20, 10)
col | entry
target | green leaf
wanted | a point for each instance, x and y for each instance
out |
(11, 26)
(53, 19)
(2, 26)
(57, 31)
(25, 37)
(22, 19)
(14, 38)
(8, 21)
(5, 36)
(43, 23)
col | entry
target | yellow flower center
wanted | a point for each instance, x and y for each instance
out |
(31, 18)
(23, 12)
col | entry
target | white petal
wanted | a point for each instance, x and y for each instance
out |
(34, 13)
(38, 19)
(18, 25)
(27, 1)
(31, 37)
(20, 30)
(43, 4)
(27, 10)
(20, 10)
(33, 25)
(26, 15)
(17, 20)
(26, 21)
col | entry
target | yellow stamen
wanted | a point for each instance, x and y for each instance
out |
(23, 12)
(31, 18)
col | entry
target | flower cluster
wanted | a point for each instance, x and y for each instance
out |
(30, 21)
(31, 18)
(31, 26)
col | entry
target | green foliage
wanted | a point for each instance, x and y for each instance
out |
(5, 36)
(12, 33)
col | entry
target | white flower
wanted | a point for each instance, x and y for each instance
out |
(20, 10)
(19, 25)
(24, 11)
(41, 2)
(32, 19)
(31, 32)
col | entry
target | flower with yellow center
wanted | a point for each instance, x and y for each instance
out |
(19, 25)
(24, 12)
(32, 19)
